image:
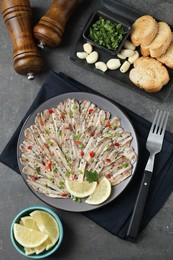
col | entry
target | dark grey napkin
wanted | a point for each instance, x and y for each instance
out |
(115, 216)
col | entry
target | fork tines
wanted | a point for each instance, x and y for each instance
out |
(159, 122)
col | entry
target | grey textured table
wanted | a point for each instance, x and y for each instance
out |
(83, 238)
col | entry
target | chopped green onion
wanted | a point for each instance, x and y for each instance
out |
(61, 185)
(70, 113)
(74, 106)
(107, 33)
(80, 171)
(59, 133)
(78, 136)
(48, 132)
(125, 165)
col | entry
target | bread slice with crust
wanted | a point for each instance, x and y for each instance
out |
(160, 43)
(144, 30)
(167, 58)
(149, 74)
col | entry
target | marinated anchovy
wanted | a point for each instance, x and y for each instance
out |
(71, 139)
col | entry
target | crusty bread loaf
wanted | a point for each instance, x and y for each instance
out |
(144, 50)
(149, 74)
(144, 30)
(167, 58)
(160, 43)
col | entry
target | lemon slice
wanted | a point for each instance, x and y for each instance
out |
(29, 251)
(80, 189)
(101, 193)
(48, 225)
(29, 222)
(28, 237)
(44, 246)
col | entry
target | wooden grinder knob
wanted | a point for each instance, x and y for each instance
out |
(17, 15)
(50, 28)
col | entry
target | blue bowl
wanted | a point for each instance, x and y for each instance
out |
(20, 248)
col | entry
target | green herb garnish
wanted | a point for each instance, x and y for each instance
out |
(59, 133)
(107, 33)
(48, 132)
(113, 127)
(61, 185)
(77, 200)
(51, 179)
(110, 134)
(74, 106)
(91, 176)
(125, 165)
(70, 113)
(78, 136)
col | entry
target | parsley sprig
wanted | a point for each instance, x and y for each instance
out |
(91, 176)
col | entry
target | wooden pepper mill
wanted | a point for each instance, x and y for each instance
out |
(17, 15)
(50, 28)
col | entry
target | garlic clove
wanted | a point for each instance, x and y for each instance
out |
(100, 65)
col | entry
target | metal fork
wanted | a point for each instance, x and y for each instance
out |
(154, 146)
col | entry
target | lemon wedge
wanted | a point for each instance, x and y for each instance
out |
(29, 222)
(80, 189)
(28, 237)
(101, 193)
(48, 225)
(29, 251)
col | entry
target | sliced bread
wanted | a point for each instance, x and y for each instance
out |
(144, 30)
(167, 58)
(160, 43)
(149, 74)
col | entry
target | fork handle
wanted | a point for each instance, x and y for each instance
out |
(135, 220)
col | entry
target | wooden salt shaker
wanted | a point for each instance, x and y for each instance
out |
(17, 15)
(50, 28)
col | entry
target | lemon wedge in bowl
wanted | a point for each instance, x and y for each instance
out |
(80, 189)
(28, 237)
(26, 221)
(101, 193)
(46, 224)
(29, 222)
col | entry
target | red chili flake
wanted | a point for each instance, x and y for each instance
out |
(68, 128)
(108, 124)
(92, 154)
(62, 116)
(49, 166)
(82, 153)
(78, 142)
(43, 163)
(90, 110)
(29, 147)
(50, 111)
(108, 160)
(52, 153)
(73, 176)
(33, 178)
(117, 144)
(46, 145)
(64, 195)
(108, 176)
(42, 122)
(92, 134)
